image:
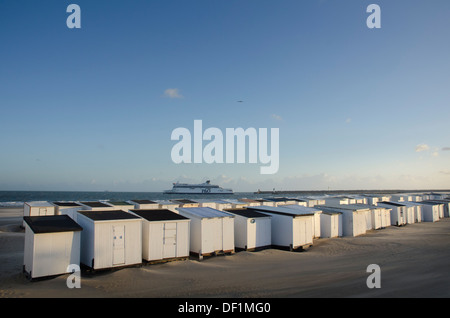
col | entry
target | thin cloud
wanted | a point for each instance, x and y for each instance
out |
(348, 120)
(172, 93)
(445, 148)
(422, 147)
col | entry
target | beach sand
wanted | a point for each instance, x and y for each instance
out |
(414, 262)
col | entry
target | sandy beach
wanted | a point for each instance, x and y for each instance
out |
(414, 262)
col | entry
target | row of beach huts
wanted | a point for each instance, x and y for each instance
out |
(104, 234)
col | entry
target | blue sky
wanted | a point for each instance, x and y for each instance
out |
(357, 108)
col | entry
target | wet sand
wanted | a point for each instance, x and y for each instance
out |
(414, 262)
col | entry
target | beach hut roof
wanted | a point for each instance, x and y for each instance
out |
(332, 209)
(222, 202)
(159, 215)
(144, 202)
(184, 201)
(277, 199)
(248, 213)
(351, 207)
(392, 203)
(95, 204)
(296, 199)
(203, 201)
(52, 224)
(280, 210)
(301, 208)
(431, 202)
(39, 203)
(248, 200)
(166, 202)
(107, 215)
(205, 212)
(119, 203)
(59, 203)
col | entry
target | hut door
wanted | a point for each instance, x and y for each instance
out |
(118, 244)
(42, 211)
(170, 240)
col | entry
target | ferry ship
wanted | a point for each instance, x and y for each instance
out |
(202, 188)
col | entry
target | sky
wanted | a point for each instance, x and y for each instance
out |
(93, 108)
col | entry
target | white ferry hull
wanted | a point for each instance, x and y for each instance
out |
(202, 188)
(199, 191)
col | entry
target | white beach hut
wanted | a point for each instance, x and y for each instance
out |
(437, 196)
(145, 204)
(168, 205)
(38, 208)
(409, 209)
(291, 229)
(186, 203)
(222, 205)
(353, 219)
(236, 204)
(310, 202)
(292, 201)
(372, 199)
(416, 197)
(298, 201)
(212, 231)
(418, 206)
(95, 206)
(52, 243)
(398, 212)
(401, 197)
(380, 216)
(265, 202)
(121, 205)
(250, 202)
(307, 210)
(67, 208)
(331, 224)
(384, 197)
(348, 199)
(205, 203)
(385, 216)
(446, 206)
(368, 214)
(440, 204)
(430, 211)
(360, 199)
(284, 201)
(411, 214)
(336, 200)
(252, 229)
(366, 210)
(165, 234)
(315, 200)
(110, 238)
(377, 216)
